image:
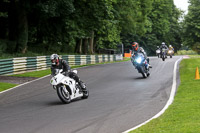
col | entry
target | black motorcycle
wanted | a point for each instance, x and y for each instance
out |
(163, 54)
(142, 65)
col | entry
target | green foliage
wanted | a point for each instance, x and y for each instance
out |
(191, 36)
(164, 25)
(151, 22)
(186, 52)
(36, 74)
(82, 25)
(3, 46)
(5, 86)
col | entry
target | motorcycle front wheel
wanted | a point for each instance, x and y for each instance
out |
(85, 94)
(163, 58)
(64, 95)
(144, 74)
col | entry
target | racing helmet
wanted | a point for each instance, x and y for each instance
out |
(135, 46)
(54, 59)
(163, 43)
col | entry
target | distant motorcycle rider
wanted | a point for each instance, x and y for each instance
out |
(57, 63)
(135, 50)
(171, 48)
(163, 46)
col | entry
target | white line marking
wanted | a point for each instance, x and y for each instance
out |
(169, 102)
(23, 84)
(45, 77)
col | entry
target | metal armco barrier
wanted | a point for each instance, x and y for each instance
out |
(25, 64)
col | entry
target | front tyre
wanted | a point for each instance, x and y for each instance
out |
(85, 94)
(148, 74)
(63, 94)
(163, 58)
(144, 74)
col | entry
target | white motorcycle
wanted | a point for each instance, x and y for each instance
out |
(67, 88)
(158, 52)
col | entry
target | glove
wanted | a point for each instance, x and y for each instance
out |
(65, 73)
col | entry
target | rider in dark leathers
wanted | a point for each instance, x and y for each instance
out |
(57, 63)
(163, 46)
(136, 49)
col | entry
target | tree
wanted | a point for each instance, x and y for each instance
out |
(132, 17)
(86, 26)
(18, 26)
(192, 25)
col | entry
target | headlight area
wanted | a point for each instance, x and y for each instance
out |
(139, 60)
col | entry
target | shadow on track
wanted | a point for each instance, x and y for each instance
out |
(58, 102)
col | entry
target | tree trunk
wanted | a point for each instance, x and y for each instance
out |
(78, 47)
(95, 45)
(91, 50)
(22, 39)
(85, 46)
(12, 17)
(18, 27)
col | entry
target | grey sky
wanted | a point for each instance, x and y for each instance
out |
(182, 4)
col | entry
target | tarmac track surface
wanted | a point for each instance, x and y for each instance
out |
(119, 100)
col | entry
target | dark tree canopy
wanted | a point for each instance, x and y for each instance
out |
(86, 26)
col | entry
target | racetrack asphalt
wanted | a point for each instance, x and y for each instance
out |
(120, 98)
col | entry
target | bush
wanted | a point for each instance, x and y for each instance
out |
(3, 46)
(186, 52)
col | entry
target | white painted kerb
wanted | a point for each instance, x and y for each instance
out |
(171, 98)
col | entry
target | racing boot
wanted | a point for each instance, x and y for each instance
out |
(82, 85)
(149, 66)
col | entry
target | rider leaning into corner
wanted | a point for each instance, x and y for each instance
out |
(57, 63)
(136, 49)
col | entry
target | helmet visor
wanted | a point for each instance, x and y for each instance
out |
(135, 47)
(53, 62)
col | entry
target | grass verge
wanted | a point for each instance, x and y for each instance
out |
(194, 56)
(36, 74)
(5, 86)
(186, 52)
(183, 116)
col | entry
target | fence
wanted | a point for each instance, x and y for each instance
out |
(25, 64)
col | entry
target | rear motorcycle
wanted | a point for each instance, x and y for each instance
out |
(170, 53)
(67, 88)
(142, 65)
(158, 52)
